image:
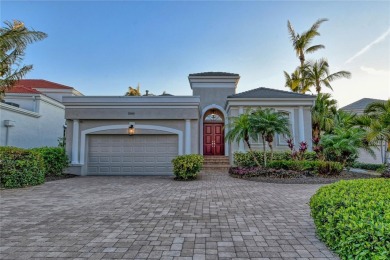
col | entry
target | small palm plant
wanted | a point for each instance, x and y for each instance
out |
(268, 122)
(241, 129)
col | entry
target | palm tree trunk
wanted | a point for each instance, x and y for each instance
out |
(302, 60)
(265, 155)
(272, 151)
(253, 154)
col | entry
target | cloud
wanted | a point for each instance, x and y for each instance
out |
(373, 71)
(366, 48)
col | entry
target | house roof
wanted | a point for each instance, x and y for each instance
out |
(269, 93)
(214, 74)
(361, 104)
(22, 90)
(40, 83)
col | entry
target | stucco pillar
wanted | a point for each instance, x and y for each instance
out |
(75, 142)
(241, 147)
(301, 125)
(187, 137)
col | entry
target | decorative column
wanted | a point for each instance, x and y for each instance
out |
(241, 147)
(187, 137)
(301, 125)
(75, 142)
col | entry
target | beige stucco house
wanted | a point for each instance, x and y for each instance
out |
(98, 142)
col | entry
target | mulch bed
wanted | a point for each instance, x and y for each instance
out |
(345, 175)
(60, 177)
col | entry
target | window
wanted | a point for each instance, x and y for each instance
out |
(282, 139)
(213, 115)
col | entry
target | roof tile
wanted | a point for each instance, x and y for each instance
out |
(269, 93)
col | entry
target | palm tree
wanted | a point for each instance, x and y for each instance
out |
(14, 38)
(343, 144)
(240, 129)
(301, 42)
(317, 74)
(297, 82)
(323, 114)
(376, 121)
(344, 119)
(267, 122)
(133, 91)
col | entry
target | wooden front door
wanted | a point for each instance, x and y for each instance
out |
(213, 139)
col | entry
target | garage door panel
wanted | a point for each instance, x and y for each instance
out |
(135, 155)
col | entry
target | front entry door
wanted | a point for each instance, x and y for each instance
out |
(213, 139)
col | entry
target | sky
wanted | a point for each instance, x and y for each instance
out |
(103, 47)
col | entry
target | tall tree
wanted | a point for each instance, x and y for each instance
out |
(241, 129)
(14, 38)
(301, 42)
(323, 114)
(317, 74)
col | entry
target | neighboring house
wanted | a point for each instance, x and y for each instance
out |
(32, 114)
(379, 151)
(166, 126)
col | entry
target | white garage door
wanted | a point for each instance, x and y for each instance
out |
(131, 155)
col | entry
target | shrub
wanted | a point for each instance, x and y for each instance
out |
(20, 167)
(55, 159)
(368, 166)
(246, 159)
(386, 172)
(320, 167)
(246, 172)
(353, 218)
(187, 167)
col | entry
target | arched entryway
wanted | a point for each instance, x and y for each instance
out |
(213, 132)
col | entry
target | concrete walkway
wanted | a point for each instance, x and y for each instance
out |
(215, 217)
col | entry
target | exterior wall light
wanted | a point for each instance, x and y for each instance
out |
(131, 130)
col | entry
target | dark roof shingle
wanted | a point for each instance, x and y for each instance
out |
(361, 104)
(214, 74)
(269, 93)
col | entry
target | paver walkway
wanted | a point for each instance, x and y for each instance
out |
(216, 217)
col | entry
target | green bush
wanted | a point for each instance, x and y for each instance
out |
(20, 167)
(55, 159)
(368, 166)
(386, 172)
(187, 167)
(246, 159)
(353, 218)
(316, 167)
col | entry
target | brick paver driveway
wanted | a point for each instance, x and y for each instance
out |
(216, 217)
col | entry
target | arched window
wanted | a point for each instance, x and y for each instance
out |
(213, 115)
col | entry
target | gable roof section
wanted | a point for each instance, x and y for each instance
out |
(214, 74)
(40, 83)
(270, 93)
(361, 104)
(22, 90)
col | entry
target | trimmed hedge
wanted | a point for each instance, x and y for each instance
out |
(247, 172)
(316, 167)
(246, 159)
(368, 166)
(353, 218)
(55, 159)
(187, 167)
(20, 167)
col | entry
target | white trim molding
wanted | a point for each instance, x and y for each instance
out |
(225, 127)
(115, 127)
